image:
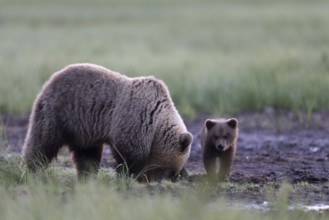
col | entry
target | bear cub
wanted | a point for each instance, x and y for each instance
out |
(218, 140)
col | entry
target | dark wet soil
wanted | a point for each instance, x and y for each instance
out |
(273, 148)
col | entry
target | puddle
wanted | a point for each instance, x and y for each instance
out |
(267, 206)
(260, 207)
(318, 207)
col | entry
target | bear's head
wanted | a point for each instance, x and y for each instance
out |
(167, 161)
(221, 133)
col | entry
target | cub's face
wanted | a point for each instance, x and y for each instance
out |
(221, 133)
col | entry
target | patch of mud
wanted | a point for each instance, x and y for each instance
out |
(294, 151)
(273, 147)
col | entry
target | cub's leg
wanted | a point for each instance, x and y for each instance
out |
(87, 160)
(209, 162)
(226, 161)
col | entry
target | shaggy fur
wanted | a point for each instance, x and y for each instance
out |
(84, 106)
(218, 140)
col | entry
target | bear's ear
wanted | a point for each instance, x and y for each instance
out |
(185, 140)
(233, 123)
(210, 123)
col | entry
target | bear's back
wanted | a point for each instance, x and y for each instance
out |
(82, 98)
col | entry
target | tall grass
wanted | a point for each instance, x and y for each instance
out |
(215, 56)
(57, 195)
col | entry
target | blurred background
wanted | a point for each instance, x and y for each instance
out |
(219, 57)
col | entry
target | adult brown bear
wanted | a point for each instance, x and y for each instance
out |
(84, 106)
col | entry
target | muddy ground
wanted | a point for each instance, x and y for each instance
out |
(273, 147)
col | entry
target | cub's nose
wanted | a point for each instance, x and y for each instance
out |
(220, 147)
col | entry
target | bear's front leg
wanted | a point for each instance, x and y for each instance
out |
(209, 162)
(87, 160)
(184, 172)
(226, 160)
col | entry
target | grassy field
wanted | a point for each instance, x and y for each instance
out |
(215, 56)
(219, 57)
(56, 194)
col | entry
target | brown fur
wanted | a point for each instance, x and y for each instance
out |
(218, 140)
(84, 106)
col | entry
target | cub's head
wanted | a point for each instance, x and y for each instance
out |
(221, 133)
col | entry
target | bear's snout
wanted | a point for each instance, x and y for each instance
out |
(220, 147)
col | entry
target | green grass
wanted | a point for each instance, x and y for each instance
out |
(55, 194)
(215, 56)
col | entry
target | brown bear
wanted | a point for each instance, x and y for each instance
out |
(218, 140)
(84, 106)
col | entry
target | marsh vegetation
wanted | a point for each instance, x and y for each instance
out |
(270, 58)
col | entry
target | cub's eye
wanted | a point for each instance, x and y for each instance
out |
(216, 137)
(226, 136)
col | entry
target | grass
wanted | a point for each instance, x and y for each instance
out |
(56, 194)
(215, 56)
(3, 135)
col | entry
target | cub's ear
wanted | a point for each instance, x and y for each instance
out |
(209, 123)
(185, 140)
(233, 123)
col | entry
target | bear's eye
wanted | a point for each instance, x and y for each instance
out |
(226, 136)
(216, 137)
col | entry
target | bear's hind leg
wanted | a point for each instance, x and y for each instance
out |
(87, 160)
(37, 157)
(40, 148)
(44, 137)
